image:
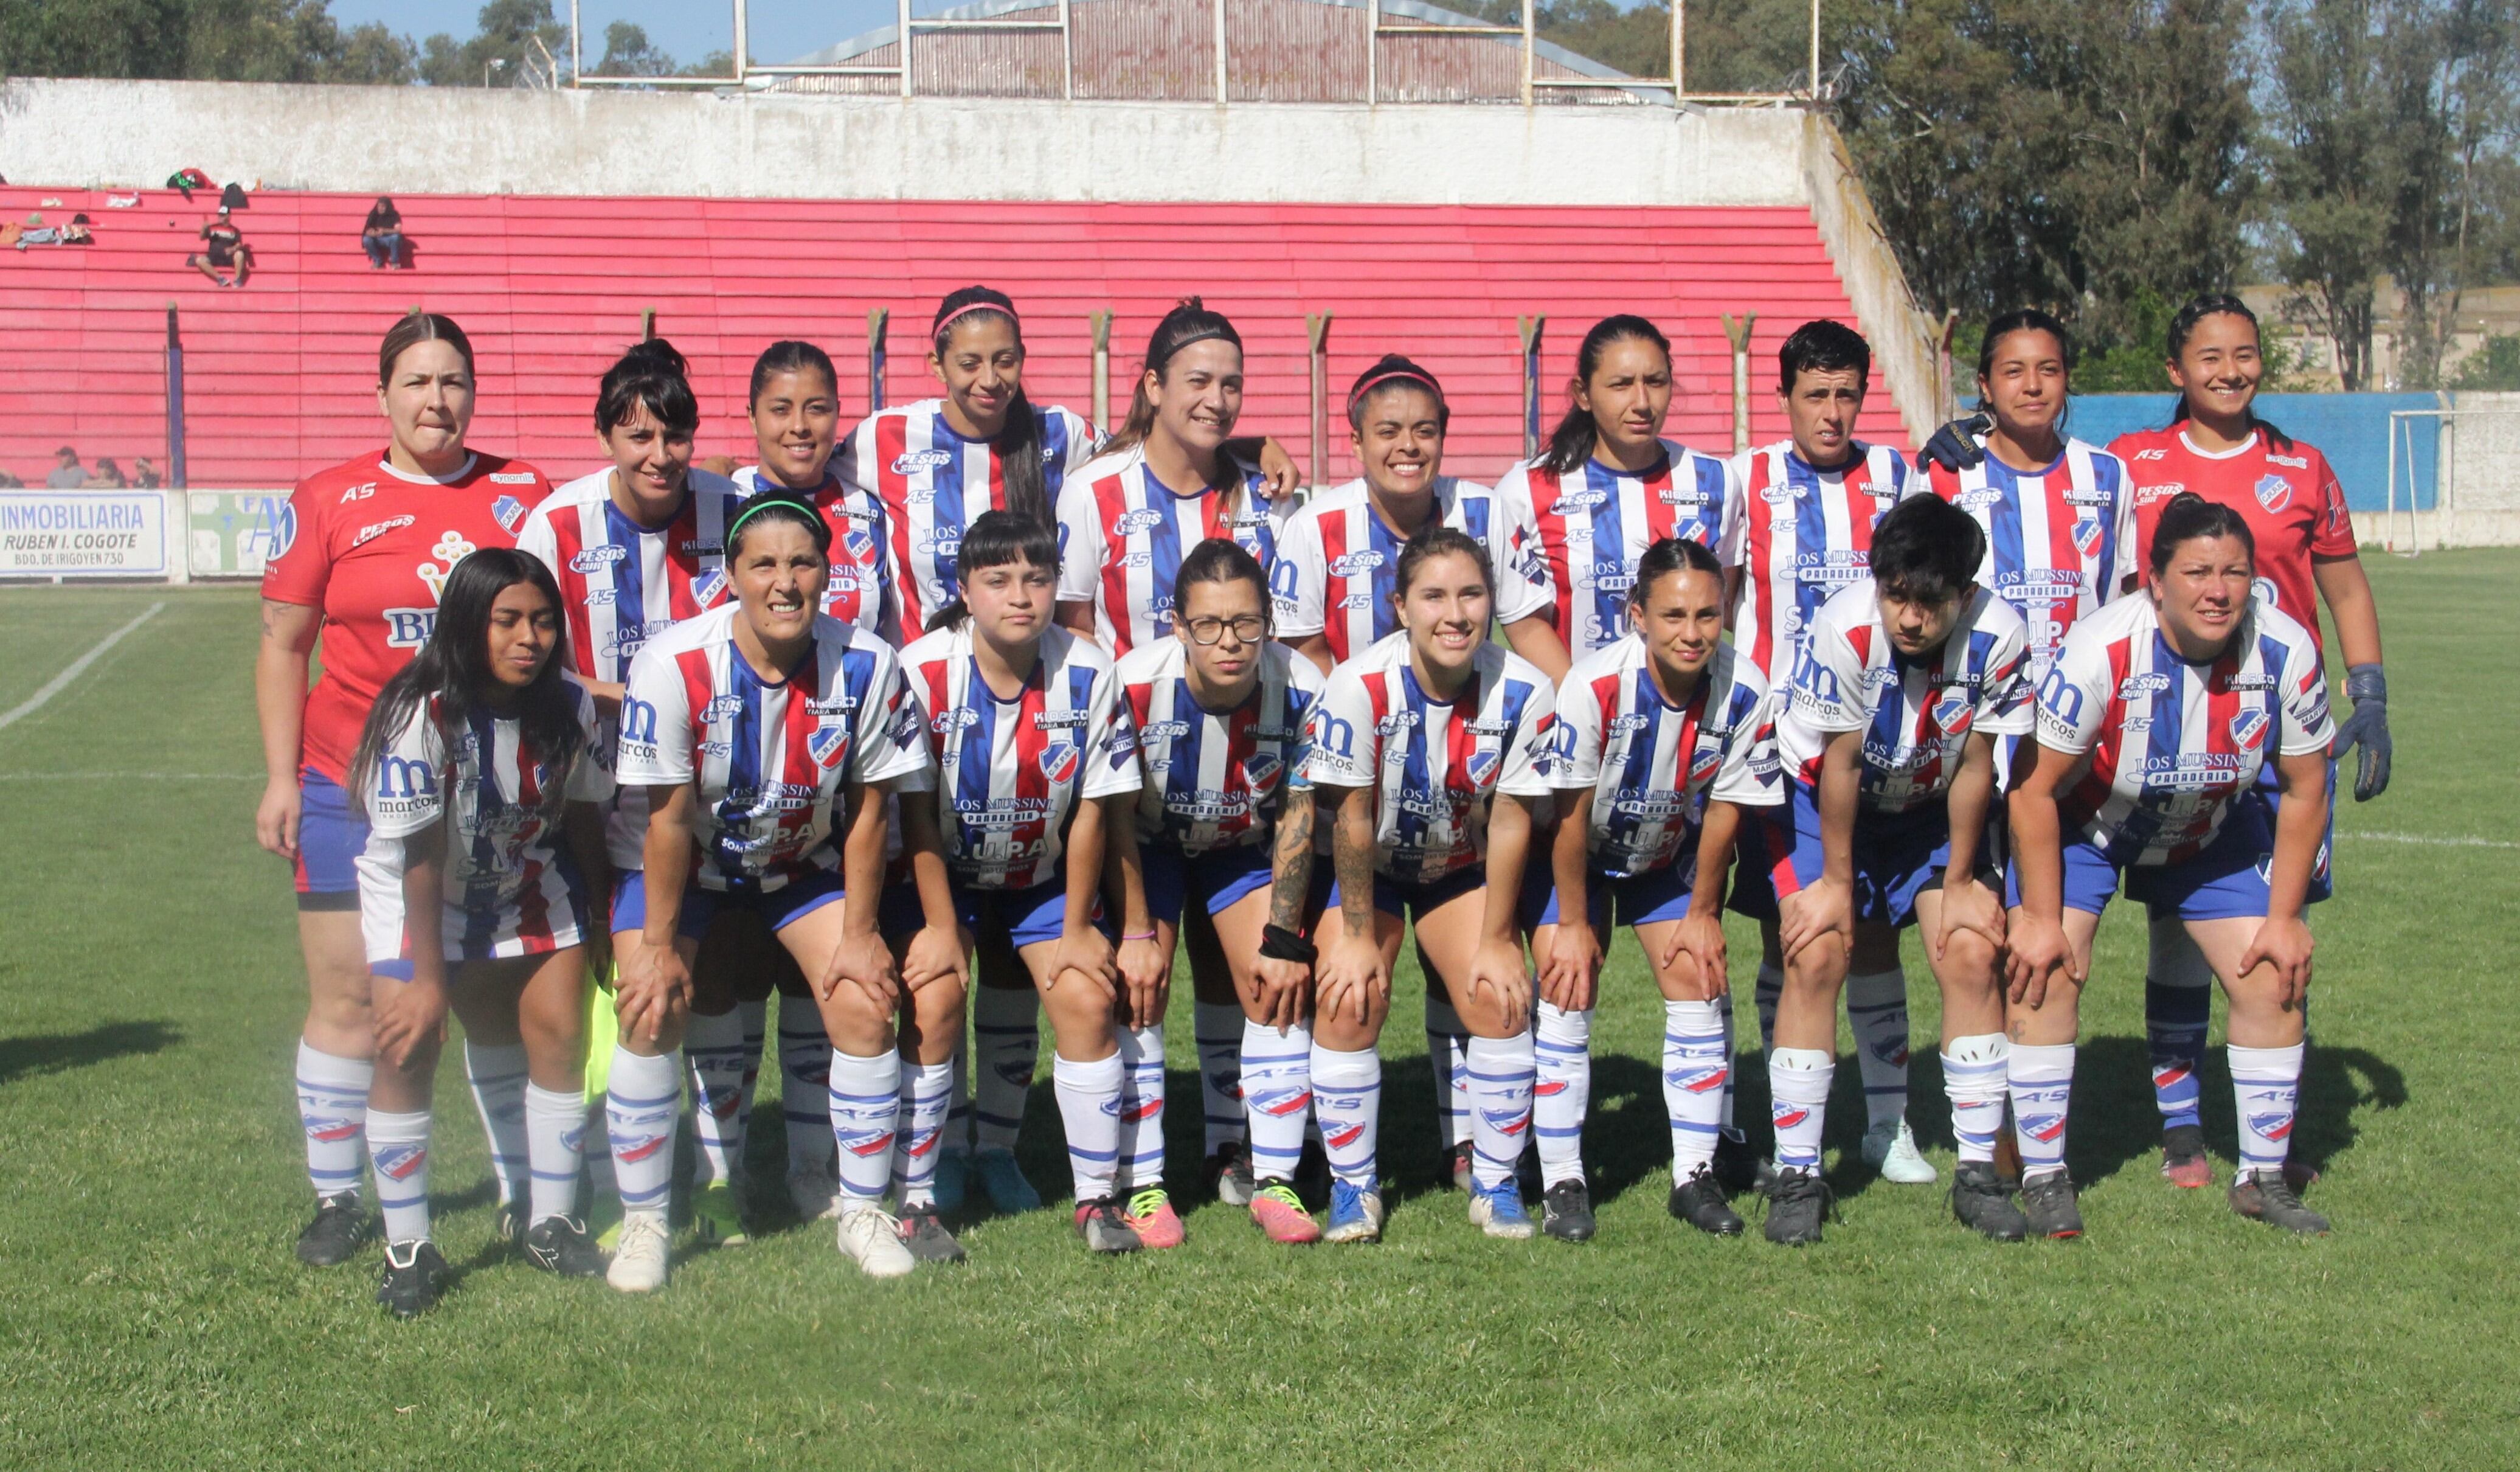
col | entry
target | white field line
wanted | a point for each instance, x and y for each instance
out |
(79, 666)
(130, 776)
(2432, 841)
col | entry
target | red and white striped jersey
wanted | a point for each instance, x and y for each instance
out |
(621, 584)
(1596, 524)
(1916, 714)
(1806, 534)
(1122, 535)
(506, 891)
(1337, 562)
(771, 758)
(1216, 779)
(1435, 765)
(861, 590)
(1006, 772)
(2058, 541)
(1651, 767)
(2171, 743)
(933, 484)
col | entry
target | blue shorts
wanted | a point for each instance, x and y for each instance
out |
(331, 837)
(1215, 879)
(2322, 881)
(1896, 857)
(1638, 899)
(1753, 891)
(778, 908)
(1411, 899)
(2225, 880)
(1027, 917)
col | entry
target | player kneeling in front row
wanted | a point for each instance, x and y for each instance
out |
(1431, 748)
(1900, 686)
(478, 760)
(2153, 726)
(1663, 739)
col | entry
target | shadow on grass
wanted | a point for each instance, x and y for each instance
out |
(58, 1052)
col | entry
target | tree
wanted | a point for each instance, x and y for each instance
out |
(628, 52)
(213, 40)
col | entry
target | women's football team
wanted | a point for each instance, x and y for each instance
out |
(971, 716)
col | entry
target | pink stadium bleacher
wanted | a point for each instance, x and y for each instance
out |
(280, 374)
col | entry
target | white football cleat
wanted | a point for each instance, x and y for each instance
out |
(645, 1259)
(871, 1237)
(1890, 1147)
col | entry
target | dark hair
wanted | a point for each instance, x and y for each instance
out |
(996, 539)
(422, 327)
(1218, 559)
(651, 374)
(2025, 319)
(788, 356)
(1672, 554)
(1190, 321)
(1435, 542)
(1926, 549)
(1570, 444)
(1017, 442)
(452, 674)
(1824, 347)
(2190, 516)
(775, 505)
(2183, 326)
(1392, 371)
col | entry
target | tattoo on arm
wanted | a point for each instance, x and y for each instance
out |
(1293, 866)
(1352, 863)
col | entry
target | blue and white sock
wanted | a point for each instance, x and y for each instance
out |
(927, 1098)
(1219, 1030)
(866, 1114)
(399, 1145)
(1142, 1107)
(1006, 1035)
(1502, 1074)
(496, 1074)
(1447, 1044)
(2174, 1021)
(554, 1149)
(805, 1088)
(643, 1105)
(1798, 1082)
(1697, 1080)
(333, 1106)
(2042, 1077)
(1976, 1078)
(713, 1053)
(1876, 1004)
(1562, 1048)
(2266, 1091)
(1276, 1073)
(1089, 1108)
(1347, 1095)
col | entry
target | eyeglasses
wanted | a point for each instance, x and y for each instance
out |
(1247, 630)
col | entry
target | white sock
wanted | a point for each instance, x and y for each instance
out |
(1347, 1092)
(805, 1088)
(865, 1114)
(1277, 1095)
(1562, 1048)
(1089, 1107)
(1976, 1074)
(555, 1148)
(1006, 1032)
(2266, 1090)
(2042, 1079)
(1771, 987)
(1798, 1082)
(496, 1074)
(713, 1053)
(1448, 1046)
(643, 1103)
(1724, 1008)
(333, 1106)
(927, 1098)
(1876, 1004)
(1219, 1027)
(1141, 1108)
(1501, 1074)
(1697, 1080)
(399, 1145)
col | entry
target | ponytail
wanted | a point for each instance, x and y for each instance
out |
(1190, 321)
(1017, 442)
(1570, 444)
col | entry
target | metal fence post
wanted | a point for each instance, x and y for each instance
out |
(1530, 328)
(1100, 323)
(1741, 336)
(1316, 327)
(876, 320)
(175, 469)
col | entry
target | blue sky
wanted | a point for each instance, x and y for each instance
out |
(686, 29)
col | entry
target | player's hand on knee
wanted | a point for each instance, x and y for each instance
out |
(2284, 946)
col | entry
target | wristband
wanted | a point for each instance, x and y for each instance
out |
(1139, 935)
(2367, 683)
(1279, 943)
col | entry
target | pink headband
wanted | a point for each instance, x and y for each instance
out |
(967, 309)
(1396, 375)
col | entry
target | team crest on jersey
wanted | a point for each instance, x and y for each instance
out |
(706, 587)
(2248, 728)
(1704, 764)
(829, 746)
(2086, 537)
(1059, 761)
(1951, 710)
(1261, 771)
(508, 510)
(2273, 492)
(860, 542)
(1481, 769)
(912, 462)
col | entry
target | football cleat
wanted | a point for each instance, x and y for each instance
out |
(1566, 1212)
(645, 1258)
(1229, 1175)
(2182, 1158)
(2266, 1196)
(559, 1245)
(1890, 1147)
(923, 1232)
(1982, 1200)
(1699, 1202)
(2047, 1206)
(1797, 1203)
(1002, 1181)
(716, 1220)
(871, 1237)
(1356, 1213)
(513, 1219)
(1281, 1213)
(336, 1233)
(1099, 1222)
(414, 1277)
(1496, 1209)
(1151, 1217)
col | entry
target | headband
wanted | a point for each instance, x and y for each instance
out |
(970, 307)
(1396, 375)
(763, 501)
(1205, 334)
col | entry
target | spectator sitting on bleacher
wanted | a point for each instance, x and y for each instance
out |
(67, 474)
(77, 232)
(143, 474)
(106, 475)
(223, 244)
(383, 235)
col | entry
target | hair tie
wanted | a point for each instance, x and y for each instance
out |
(1357, 394)
(968, 308)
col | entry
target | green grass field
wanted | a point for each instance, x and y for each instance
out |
(151, 1313)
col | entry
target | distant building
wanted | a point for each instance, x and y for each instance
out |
(2483, 311)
